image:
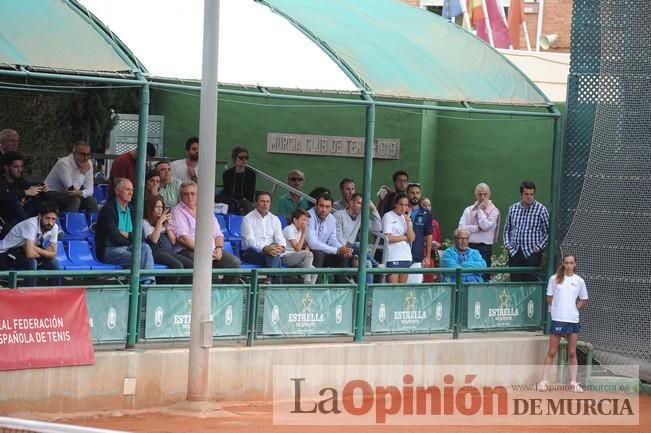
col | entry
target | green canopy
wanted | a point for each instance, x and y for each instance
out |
(59, 34)
(397, 50)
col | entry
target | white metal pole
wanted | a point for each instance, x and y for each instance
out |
(201, 327)
(466, 18)
(500, 7)
(489, 31)
(525, 29)
(541, 10)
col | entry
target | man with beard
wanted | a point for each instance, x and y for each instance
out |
(347, 188)
(18, 199)
(187, 169)
(32, 244)
(387, 195)
(421, 247)
(322, 238)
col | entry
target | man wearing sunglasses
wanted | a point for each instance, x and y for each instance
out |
(290, 201)
(70, 182)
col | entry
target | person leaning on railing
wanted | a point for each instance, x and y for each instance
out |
(461, 256)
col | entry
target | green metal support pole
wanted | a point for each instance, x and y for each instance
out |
(13, 280)
(553, 248)
(253, 309)
(360, 319)
(139, 197)
(458, 301)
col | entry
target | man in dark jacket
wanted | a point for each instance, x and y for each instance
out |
(18, 199)
(114, 231)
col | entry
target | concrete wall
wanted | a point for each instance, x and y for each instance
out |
(236, 374)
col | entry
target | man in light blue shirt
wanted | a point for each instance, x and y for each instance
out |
(461, 256)
(322, 238)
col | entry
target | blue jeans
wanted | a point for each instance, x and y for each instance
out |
(262, 259)
(47, 264)
(121, 256)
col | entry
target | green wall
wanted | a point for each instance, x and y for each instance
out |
(448, 153)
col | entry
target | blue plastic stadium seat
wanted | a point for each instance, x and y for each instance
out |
(75, 226)
(283, 221)
(235, 225)
(244, 265)
(92, 221)
(160, 266)
(64, 261)
(223, 225)
(80, 254)
(100, 192)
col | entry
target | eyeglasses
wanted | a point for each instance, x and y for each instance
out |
(83, 154)
(243, 157)
(296, 179)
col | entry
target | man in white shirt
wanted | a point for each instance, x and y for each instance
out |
(481, 219)
(262, 235)
(32, 244)
(322, 238)
(70, 182)
(187, 169)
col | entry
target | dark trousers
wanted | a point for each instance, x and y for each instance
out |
(16, 259)
(68, 203)
(173, 261)
(519, 260)
(325, 260)
(227, 261)
(485, 250)
(263, 259)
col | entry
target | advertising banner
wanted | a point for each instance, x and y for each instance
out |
(504, 306)
(411, 309)
(169, 312)
(308, 311)
(108, 312)
(44, 328)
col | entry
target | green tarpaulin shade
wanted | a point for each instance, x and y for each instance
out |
(56, 34)
(397, 50)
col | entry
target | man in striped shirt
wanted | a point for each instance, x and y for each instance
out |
(526, 231)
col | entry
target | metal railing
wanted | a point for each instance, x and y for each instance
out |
(102, 295)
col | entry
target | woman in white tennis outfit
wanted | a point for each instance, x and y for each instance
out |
(567, 294)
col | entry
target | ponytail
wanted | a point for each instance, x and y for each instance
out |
(560, 274)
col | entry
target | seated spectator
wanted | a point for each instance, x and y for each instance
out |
(297, 253)
(18, 199)
(461, 256)
(262, 235)
(187, 169)
(322, 238)
(316, 193)
(289, 202)
(9, 141)
(152, 184)
(161, 240)
(347, 189)
(70, 182)
(113, 236)
(124, 166)
(349, 222)
(32, 244)
(169, 185)
(436, 242)
(239, 183)
(184, 225)
(396, 226)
